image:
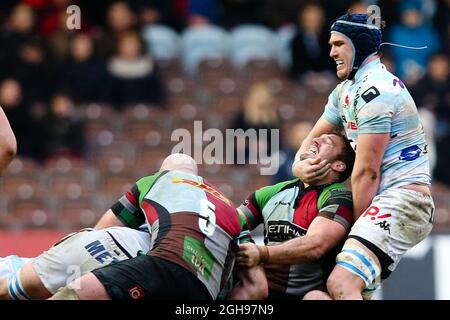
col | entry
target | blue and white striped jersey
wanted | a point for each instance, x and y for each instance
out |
(378, 102)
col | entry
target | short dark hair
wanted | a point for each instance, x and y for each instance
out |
(347, 156)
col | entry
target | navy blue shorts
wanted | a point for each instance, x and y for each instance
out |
(151, 278)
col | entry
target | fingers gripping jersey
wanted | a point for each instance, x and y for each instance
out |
(286, 210)
(378, 102)
(192, 223)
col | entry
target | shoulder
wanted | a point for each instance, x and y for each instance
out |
(335, 95)
(337, 188)
(276, 188)
(381, 86)
(148, 181)
(335, 192)
(340, 87)
(264, 194)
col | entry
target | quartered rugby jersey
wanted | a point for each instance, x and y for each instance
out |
(191, 223)
(287, 209)
(378, 102)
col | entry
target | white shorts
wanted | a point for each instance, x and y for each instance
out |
(9, 265)
(396, 221)
(84, 251)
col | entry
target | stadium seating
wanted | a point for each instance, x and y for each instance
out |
(252, 42)
(162, 42)
(284, 35)
(202, 43)
(35, 212)
(74, 214)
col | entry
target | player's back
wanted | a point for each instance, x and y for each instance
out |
(193, 225)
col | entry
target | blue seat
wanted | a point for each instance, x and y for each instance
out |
(201, 43)
(284, 36)
(163, 43)
(252, 42)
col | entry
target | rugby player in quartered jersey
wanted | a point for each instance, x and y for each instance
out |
(304, 225)
(191, 222)
(286, 210)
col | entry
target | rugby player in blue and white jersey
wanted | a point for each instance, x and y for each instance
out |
(76, 254)
(393, 206)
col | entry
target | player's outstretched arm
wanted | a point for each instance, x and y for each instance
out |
(323, 234)
(310, 170)
(8, 143)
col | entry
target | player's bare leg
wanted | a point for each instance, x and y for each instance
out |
(88, 287)
(345, 285)
(316, 295)
(27, 284)
(4, 295)
(32, 284)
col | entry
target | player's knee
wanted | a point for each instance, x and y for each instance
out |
(337, 286)
(316, 295)
(356, 269)
(65, 293)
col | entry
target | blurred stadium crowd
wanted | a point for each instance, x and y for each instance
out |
(93, 109)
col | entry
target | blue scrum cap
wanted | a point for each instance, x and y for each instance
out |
(365, 38)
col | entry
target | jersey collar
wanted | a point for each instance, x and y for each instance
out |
(365, 68)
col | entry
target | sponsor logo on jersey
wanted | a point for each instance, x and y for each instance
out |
(204, 187)
(198, 256)
(370, 94)
(99, 252)
(410, 153)
(281, 203)
(352, 125)
(374, 213)
(279, 231)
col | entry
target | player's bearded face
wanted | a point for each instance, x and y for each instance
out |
(342, 53)
(323, 147)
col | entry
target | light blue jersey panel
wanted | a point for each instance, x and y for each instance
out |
(378, 102)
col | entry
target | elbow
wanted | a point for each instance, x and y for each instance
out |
(316, 254)
(9, 150)
(367, 173)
